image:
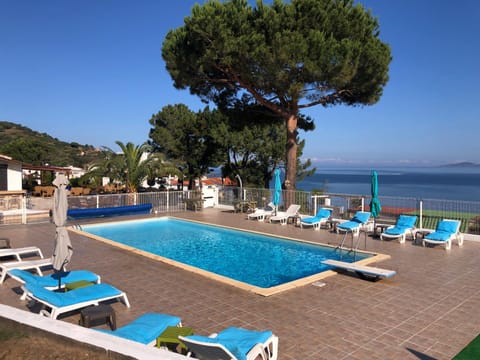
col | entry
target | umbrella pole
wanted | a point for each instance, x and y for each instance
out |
(60, 272)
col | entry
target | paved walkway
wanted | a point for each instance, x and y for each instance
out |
(429, 310)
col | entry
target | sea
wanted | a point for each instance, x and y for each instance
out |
(447, 183)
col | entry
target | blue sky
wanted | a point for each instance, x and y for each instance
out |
(92, 72)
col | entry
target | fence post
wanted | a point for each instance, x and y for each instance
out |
(421, 213)
(363, 203)
(314, 197)
(24, 209)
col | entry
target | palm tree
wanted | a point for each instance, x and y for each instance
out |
(131, 167)
(134, 167)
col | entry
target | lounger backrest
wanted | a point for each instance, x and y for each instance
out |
(324, 213)
(406, 221)
(361, 217)
(293, 209)
(448, 226)
(206, 349)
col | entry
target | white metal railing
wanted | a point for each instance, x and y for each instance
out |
(429, 211)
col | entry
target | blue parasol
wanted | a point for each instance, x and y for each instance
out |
(375, 206)
(277, 193)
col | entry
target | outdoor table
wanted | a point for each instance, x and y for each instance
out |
(332, 223)
(421, 232)
(98, 314)
(7, 243)
(382, 228)
(170, 336)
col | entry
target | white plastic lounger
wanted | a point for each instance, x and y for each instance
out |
(318, 220)
(360, 221)
(146, 328)
(21, 251)
(259, 214)
(446, 231)
(36, 265)
(405, 224)
(369, 271)
(283, 216)
(62, 302)
(233, 344)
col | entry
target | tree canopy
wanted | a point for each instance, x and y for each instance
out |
(187, 138)
(284, 56)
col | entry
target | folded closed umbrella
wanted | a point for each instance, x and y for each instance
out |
(63, 250)
(277, 192)
(375, 206)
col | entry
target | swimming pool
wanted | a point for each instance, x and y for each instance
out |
(257, 260)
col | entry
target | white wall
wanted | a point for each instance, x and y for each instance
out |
(14, 177)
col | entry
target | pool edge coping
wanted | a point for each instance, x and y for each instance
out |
(223, 279)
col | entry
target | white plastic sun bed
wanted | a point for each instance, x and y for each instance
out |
(62, 302)
(362, 270)
(36, 265)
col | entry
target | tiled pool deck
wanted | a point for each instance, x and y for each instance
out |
(429, 310)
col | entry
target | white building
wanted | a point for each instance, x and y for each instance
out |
(10, 174)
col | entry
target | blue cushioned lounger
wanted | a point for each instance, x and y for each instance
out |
(51, 280)
(146, 328)
(404, 224)
(234, 343)
(316, 221)
(446, 231)
(355, 224)
(61, 302)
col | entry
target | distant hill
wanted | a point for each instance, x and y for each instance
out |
(462, 164)
(34, 148)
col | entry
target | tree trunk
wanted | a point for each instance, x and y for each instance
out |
(291, 152)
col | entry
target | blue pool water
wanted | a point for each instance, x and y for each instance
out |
(259, 260)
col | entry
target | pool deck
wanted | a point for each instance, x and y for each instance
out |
(428, 310)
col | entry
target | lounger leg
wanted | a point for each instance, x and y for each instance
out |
(125, 300)
(460, 239)
(448, 244)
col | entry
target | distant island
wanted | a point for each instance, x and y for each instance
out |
(462, 164)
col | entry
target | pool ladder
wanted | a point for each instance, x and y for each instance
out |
(352, 248)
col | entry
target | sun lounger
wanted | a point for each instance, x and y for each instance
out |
(404, 224)
(283, 216)
(259, 214)
(146, 328)
(62, 302)
(36, 265)
(233, 343)
(51, 281)
(362, 270)
(446, 231)
(17, 252)
(357, 223)
(318, 220)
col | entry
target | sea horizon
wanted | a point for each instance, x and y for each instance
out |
(421, 182)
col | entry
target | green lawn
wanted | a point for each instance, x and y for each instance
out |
(471, 351)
